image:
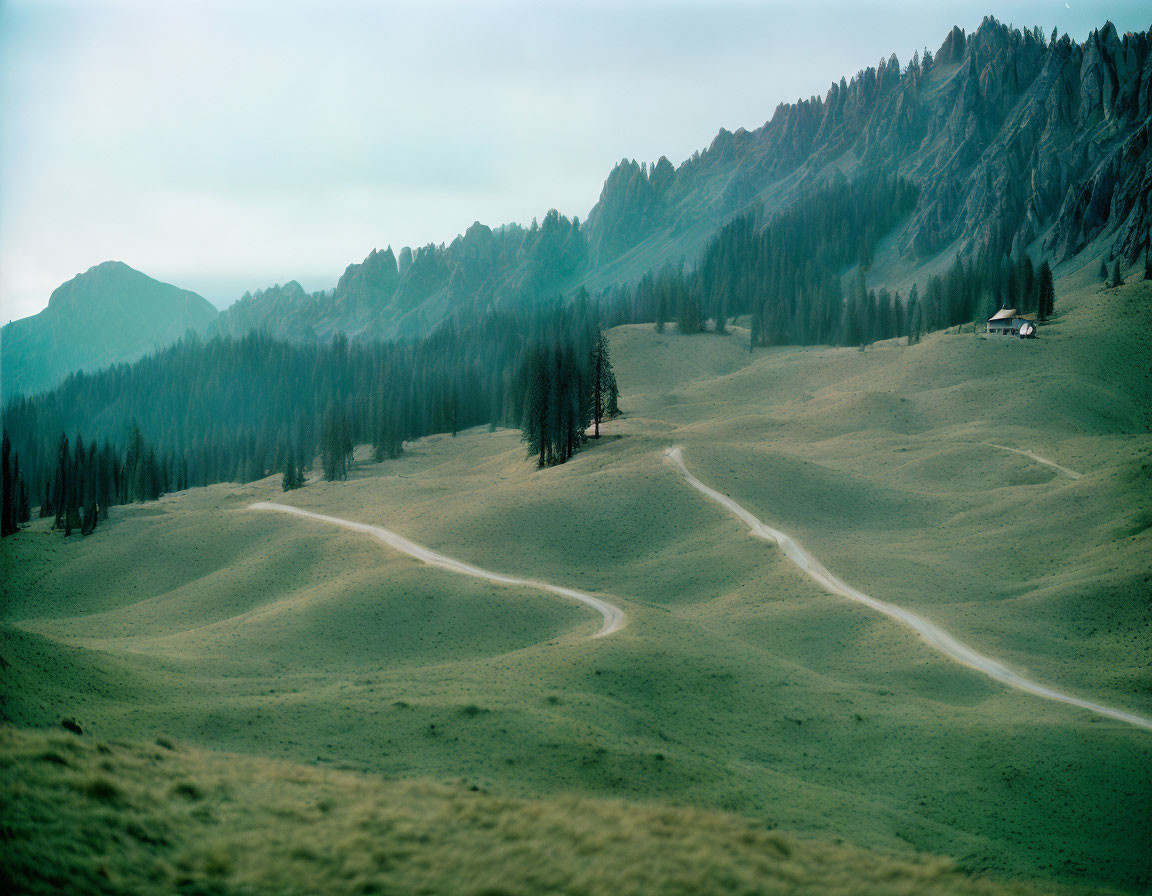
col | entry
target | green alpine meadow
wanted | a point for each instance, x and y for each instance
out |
(774, 517)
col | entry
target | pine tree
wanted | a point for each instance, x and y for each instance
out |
(91, 491)
(72, 494)
(24, 514)
(60, 481)
(605, 395)
(1103, 269)
(46, 501)
(7, 499)
(1117, 278)
(1047, 292)
(853, 335)
(612, 406)
(915, 316)
(535, 416)
(288, 481)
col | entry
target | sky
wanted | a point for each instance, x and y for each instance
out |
(227, 146)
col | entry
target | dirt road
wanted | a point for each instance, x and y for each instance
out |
(931, 633)
(614, 618)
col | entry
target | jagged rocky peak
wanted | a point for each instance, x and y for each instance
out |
(367, 286)
(404, 262)
(661, 175)
(1020, 136)
(477, 241)
(630, 201)
(952, 50)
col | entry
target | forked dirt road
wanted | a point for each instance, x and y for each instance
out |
(614, 618)
(931, 633)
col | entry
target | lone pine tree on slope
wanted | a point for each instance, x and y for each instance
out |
(1047, 294)
(605, 393)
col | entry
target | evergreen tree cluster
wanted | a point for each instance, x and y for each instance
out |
(567, 385)
(14, 506)
(293, 470)
(227, 409)
(974, 291)
(85, 480)
(785, 272)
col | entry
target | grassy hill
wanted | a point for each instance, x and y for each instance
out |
(738, 686)
(162, 818)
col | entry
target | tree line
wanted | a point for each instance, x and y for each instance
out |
(784, 270)
(787, 274)
(86, 480)
(239, 409)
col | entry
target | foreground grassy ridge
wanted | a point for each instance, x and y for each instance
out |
(738, 685)
(116, 817)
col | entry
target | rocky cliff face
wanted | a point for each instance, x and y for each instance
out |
(1015, 137)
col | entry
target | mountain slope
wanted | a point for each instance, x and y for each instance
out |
(109, 314)
(1019, 137)
(386, 296)
(1018, 141)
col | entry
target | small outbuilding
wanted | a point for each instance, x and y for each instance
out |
(1006, 322)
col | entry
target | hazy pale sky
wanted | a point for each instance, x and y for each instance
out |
(225, 146)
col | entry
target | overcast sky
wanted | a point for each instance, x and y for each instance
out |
(227, 146)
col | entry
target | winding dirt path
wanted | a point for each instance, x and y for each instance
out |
(931, 633)
(614, 618)
(1040, 460)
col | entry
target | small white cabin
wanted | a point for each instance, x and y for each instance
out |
(1006, 322)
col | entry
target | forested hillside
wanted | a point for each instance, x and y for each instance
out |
(386, 296)
(238, 409)
(783, 224)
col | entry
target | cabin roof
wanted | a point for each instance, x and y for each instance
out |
(1004, 314)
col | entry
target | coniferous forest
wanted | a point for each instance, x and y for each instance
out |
(801, 276)
(227, 409)
(239, 408)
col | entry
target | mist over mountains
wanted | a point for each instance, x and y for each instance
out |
(109, 314)
(1019, 140)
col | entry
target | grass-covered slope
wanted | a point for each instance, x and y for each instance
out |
(116, 817)
(738, 684)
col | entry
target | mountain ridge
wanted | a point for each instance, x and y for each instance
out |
(1028, 142)
(109, 314)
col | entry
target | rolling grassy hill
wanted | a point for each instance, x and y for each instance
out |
(162, 818)
(738, 686)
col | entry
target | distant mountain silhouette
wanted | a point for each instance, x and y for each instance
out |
(109, 314)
